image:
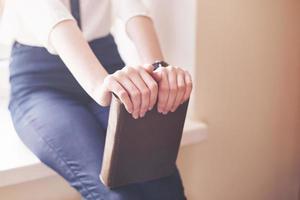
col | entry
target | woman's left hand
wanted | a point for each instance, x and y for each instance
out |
(174, 87)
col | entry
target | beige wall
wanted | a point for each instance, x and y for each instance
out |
(248, 89)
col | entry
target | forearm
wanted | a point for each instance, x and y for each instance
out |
(174, 83)
(73, 49)
(142, 32)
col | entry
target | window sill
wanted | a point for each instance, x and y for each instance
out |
(4, 82)
(19, 165)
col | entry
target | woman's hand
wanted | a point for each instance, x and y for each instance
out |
(174, 83)
(134, 86)
(174, 87)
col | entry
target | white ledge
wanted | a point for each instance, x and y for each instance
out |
(18, 164)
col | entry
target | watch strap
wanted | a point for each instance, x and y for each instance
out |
(159, 63)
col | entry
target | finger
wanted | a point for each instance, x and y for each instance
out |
(132, 90)
(172, 77)
(114, 86)
(144, 91)
(152, 86)
(163, 91)
(189, 86)
(157, 74)
(181, 89)
(104, 97)
(149, 68)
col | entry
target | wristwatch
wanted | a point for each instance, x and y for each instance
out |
(159, 63)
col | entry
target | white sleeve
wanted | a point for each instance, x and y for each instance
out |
(40, 17)
(126, 9)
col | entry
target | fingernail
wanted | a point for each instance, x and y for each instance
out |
(165, 112)
(142, 115)
(150, 108)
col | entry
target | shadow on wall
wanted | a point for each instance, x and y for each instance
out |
(248, 90)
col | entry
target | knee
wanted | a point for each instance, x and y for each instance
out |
(95, 190)
(118, 195)
(91, 188)
(130, 192)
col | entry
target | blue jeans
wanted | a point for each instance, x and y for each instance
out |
(65, 128)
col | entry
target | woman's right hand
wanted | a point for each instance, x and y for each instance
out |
(134, 86)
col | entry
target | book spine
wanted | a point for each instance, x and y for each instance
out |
(110, 142)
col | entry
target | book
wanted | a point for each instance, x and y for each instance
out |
(143, 149)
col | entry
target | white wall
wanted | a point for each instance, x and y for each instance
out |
(175, 21)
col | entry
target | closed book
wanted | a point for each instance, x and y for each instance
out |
(143, 149)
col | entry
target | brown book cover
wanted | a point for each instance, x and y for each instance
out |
(143, 149)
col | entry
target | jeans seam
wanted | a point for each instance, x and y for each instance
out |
(60, 157)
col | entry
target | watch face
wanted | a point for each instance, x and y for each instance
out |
(164, 64)
(155, 65)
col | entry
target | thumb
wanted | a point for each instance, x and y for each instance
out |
(104, 96)
(105, 99)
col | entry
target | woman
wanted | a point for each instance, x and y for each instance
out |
(61, 87)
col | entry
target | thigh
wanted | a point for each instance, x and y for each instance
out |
(62, 134)
(66, 136)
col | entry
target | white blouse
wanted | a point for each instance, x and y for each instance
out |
(31, 21)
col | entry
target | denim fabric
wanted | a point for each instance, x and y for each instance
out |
(65, 128)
